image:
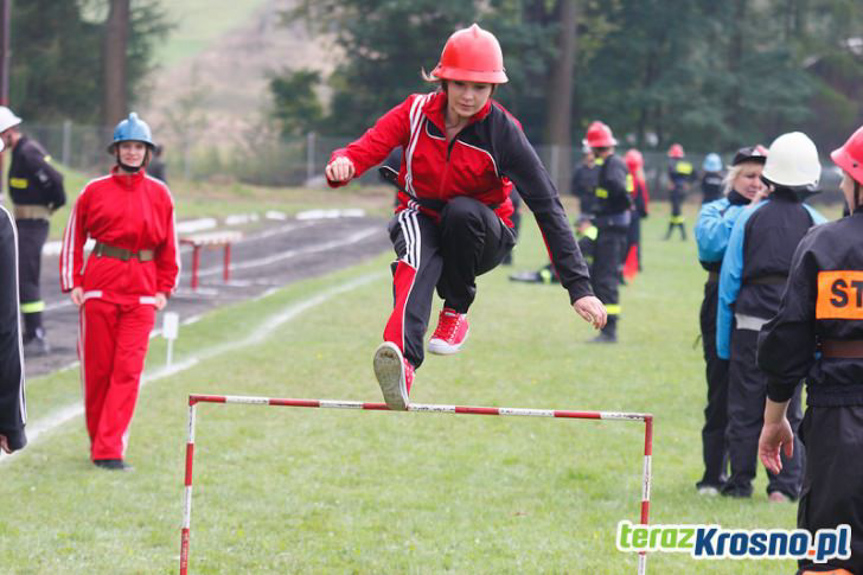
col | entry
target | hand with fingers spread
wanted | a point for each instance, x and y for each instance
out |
(341, 169)
(591, 309)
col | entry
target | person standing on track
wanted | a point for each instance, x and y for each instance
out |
(36, 190)
(130, 274)
(754, 274)
(716, 219)
(13, 406)
(821, 311)
(463, 154)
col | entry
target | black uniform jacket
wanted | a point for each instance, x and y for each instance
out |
(32, 179)
(583, 186)
(12, 407)
(612, 195)
(772, 234)
(823, 301)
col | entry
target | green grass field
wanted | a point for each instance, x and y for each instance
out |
(280, 490)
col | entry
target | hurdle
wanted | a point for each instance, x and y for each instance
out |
(195, 399)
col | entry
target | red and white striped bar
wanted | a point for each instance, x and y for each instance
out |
(194, 399)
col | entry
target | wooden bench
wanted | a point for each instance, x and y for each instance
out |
(210, 240)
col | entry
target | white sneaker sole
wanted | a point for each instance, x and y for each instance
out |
(389, 370)
(440, 347)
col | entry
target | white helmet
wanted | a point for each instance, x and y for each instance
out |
(8, 119)
(792, 162)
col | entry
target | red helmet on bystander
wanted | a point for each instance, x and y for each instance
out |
(599, 136)
(675, 151)
(849, 157)
(634, 160)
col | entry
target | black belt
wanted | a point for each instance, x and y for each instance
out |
(122, 254)
(771, 279)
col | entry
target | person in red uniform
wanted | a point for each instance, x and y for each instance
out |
(129, 275)
(641, 200)
(463, 154)
(817, 336)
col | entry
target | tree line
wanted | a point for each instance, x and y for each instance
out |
(710, 75)
(82, 60)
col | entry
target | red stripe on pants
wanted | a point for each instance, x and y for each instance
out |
(403, 281)
(113, 347)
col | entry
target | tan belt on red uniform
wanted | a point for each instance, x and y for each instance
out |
(122, 254)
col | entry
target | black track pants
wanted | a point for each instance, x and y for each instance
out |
(469, 241)
(13, 413)
(747, 393)
(31, 238)
(607, 259)
(833, 483)
(713, 445)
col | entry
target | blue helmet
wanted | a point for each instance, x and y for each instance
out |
(712, 163)
(132, 129)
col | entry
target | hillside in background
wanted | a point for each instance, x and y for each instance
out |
(211, 80)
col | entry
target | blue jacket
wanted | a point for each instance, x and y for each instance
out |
(713, 228)
(771, 253)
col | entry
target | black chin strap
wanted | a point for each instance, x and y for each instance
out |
(129, 168)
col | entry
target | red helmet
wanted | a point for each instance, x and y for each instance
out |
(634, 160)
(599, 136)
(850, 156)
(471, 55)
(675, 151)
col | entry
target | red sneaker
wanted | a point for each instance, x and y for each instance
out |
(451, 332)
(395, 375)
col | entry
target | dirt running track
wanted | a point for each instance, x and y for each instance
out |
(282, 253)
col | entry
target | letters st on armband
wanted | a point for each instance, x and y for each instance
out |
(840, 295)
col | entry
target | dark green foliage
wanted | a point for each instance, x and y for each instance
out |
(297, 109)
(711, 75)
(57, 58)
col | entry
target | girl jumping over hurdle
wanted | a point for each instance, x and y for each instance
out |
(463, 152)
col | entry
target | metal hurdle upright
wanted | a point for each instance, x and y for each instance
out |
(194, 399)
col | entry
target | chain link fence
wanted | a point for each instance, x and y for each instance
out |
(300, 161)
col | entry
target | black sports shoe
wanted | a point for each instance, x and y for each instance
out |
(112, 464)
(36, 346)
(604, 338)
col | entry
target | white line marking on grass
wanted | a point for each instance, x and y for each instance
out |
(57, 418)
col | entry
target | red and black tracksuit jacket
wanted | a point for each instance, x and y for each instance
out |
(483, 162)
(822, 307)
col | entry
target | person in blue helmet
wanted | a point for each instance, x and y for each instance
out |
(754, 274)
(711, 179)
(132, 270)
(716, 219)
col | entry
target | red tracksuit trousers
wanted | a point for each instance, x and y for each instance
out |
(112, 346)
